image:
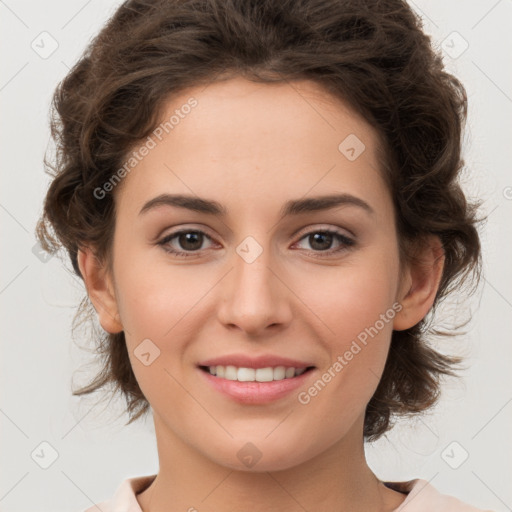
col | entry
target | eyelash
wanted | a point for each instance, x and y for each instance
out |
(347, 243)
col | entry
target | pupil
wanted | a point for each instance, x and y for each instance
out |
(318, 237)
(190, 238)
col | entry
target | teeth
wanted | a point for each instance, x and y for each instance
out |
(255, 374)
(290, 372)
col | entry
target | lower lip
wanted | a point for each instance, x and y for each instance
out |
(256, 392)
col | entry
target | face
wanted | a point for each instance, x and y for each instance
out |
(318, 286)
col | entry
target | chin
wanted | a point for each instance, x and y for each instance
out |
(260, 456)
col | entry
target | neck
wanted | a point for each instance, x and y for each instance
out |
(337, 479)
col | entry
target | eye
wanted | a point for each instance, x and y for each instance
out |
(189, 239)
(321, 241)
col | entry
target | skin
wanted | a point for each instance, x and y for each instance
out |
(252, 147)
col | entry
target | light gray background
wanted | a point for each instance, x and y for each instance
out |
(38, 299)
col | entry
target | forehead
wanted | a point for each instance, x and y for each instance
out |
(233, 110)
(252, 140)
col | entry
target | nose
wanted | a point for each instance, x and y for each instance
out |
(255, 295)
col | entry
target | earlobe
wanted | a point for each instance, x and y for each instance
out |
(100, 289)
(420, 284)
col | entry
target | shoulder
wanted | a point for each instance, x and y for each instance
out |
(125, 497)
(424, 497)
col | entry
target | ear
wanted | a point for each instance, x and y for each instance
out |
(420, 283)
(98, 283)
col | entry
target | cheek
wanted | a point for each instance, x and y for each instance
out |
(357, 309)
(358, 339)
(153, 300)
(160, 304)
(154, 314)
(353, 298)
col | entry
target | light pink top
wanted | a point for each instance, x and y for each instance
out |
(421, 497)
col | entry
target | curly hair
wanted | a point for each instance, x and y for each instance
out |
(372, 54)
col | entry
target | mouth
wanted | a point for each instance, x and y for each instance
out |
(266, 374)
(256, 386)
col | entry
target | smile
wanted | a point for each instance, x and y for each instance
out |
(243, 374)
(241, 385)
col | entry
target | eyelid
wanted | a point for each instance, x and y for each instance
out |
(300, 233)
(170, 231)
(326, 227)
(164, 239)
(347, 241)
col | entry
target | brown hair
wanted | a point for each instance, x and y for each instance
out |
(372, 54)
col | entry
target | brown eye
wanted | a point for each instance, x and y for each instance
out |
(321, 241)
(188, 241)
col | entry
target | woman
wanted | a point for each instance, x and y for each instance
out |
(262, 200)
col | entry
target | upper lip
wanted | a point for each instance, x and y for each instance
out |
(262, 361)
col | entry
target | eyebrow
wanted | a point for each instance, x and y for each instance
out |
(292, 207)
